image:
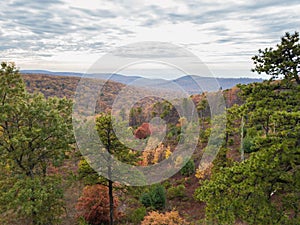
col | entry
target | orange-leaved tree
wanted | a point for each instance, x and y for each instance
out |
(170, 218)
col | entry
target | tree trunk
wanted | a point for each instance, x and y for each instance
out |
(226, 139)
(110, 182)
(297, 79)
(111, 202)
(110, 192)
(242, 139)
(33, 212)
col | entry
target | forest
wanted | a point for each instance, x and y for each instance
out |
(254, 179)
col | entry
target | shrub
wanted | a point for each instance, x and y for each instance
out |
(167, 184)
(204, 172)
(93, 205)
(137, 215)
(170, 218)
(155, 198)
(176, 192)
(146, 199)
(188, 169)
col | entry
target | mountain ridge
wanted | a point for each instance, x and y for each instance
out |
(193, 84)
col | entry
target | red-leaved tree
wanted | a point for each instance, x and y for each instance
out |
(93, 205)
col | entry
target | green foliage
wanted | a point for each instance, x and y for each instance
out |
(37, 200)
(189, 168)
(282, 60)
(88, 175)
(35, 133)
(137, 215)
(233, 115)
(165, 110)
(264, 188)
(266, 185)
(146, 199)
(230, 142)
(248, 145)
(205, 134)
(167, 184)
(221, 160)
(173, 132)
(155, 198)
(113, 146)
(104, 127)
(176, 192)
(82, 221)
(135, 192)
(250, 187)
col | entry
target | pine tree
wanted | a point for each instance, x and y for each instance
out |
(284, 60)
(116, 149)
(264, 188)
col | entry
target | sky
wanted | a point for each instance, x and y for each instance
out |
(71, 35)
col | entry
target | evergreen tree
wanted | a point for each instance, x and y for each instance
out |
(264, 188)
(284, 60)
(116, 149)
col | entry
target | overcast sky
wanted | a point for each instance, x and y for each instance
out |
(70, 35)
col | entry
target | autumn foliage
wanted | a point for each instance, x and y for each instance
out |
(143, 131)
(93, 205)
(170, 218)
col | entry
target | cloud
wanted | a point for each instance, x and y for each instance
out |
(96, 13)
(150, 50)
(216, 31)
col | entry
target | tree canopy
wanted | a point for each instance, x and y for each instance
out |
(35, 134)
(113, 146)
(281, 61)
(263, 188)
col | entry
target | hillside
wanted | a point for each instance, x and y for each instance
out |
(190, 83)
(65, 86)
(182, 187)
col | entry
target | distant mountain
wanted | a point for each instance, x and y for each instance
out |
(190, 83)
(117, 78)
(46, 72)
(105, 76)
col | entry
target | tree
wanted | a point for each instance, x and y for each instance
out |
(266, 184)
(94, 205)
(116, 149)
(88, 175)
(284, 60)
(35, 133)
(189, 168)
(261, 100)
(233, 115)
(155, 198)
(264, 188)
(202, 107)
